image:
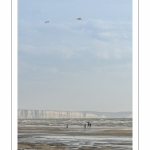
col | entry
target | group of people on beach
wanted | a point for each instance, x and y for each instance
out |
(88, 125)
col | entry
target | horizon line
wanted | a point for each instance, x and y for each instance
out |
(77, 111)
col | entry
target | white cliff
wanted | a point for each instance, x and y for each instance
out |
(54, 114)
(70, 114)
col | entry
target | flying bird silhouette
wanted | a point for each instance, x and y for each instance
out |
(78, 19)
(46, 21)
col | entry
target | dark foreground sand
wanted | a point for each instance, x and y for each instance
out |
(57, 146)
(54, 146)
(25, 132)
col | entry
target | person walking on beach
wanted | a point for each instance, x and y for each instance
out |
(90, 124)
(67, 125)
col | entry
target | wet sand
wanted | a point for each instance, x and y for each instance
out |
(55, 146)
(62, 138)
(95, 131)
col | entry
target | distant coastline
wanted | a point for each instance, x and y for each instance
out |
(24, 113)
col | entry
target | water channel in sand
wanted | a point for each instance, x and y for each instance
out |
(75, 137)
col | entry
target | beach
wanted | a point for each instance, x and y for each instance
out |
(58, 137)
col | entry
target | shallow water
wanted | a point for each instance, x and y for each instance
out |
(74, 142)
(78, 141)
(116, 122)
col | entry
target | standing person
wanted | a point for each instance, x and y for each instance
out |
(84, 126)
(67, 125)
(90, 124)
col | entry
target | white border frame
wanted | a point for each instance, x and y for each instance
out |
(14, 74)
(135, 75)
(14, 93)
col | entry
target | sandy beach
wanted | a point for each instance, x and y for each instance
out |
(74, 137)
(74, 131)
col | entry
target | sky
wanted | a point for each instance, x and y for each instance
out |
(71, 65)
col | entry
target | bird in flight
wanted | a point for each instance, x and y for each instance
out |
(78, 19)
(46, 21)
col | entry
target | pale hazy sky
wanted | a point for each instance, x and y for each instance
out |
(75, 65)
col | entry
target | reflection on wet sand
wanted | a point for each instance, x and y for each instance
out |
(74, 137)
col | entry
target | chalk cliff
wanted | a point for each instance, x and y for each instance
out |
(69, 114)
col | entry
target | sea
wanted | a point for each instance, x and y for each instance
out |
(99, 122)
